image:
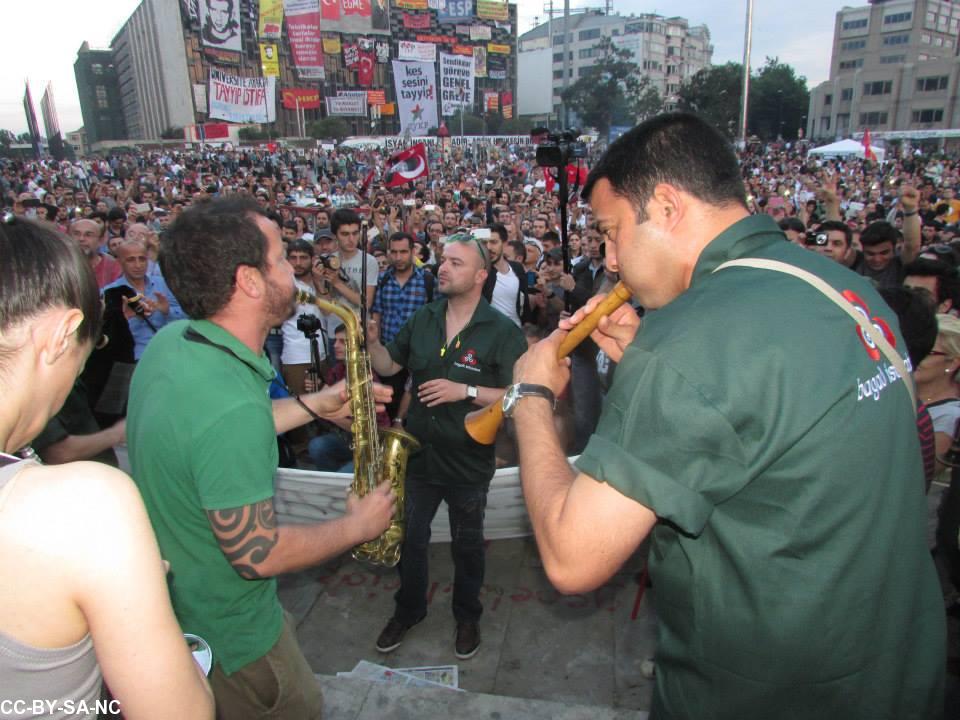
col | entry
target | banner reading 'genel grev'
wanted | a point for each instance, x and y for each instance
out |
(303, 31)
(242, 99)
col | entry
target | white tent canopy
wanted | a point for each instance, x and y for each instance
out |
(847, 148)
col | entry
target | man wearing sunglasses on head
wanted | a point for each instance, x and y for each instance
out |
(460, 352)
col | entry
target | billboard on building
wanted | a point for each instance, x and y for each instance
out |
(534, 96)
(242, 99)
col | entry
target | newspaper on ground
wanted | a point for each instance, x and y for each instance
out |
(439, 676)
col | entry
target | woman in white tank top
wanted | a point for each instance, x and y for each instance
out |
(84, 587)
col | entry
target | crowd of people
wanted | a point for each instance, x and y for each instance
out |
(465, 276)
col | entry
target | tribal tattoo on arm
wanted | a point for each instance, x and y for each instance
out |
(246, 535)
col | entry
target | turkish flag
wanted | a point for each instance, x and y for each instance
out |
(330, 9)
(406, 166)
(365, 71)
(868, 153)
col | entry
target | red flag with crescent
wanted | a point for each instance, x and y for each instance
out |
(406, 166)
(868, 153)
(365, 70)
(330, 9)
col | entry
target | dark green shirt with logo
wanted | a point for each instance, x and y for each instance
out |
(779, 452)
(482, 354)
(202, 437)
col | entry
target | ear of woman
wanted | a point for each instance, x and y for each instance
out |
(55, 332)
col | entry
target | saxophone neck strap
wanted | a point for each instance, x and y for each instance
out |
(875, 335)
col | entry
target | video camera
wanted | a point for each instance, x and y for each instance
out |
(816, 238)
(556, 149)
(309, 325)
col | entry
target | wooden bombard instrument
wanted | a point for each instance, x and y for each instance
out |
(482, 424)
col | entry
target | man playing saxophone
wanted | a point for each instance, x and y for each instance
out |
(460, 352)
(202, 436)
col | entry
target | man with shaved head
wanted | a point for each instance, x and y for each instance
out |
(148, 304)
(89, 235)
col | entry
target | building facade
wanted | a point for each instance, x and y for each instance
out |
(163, 58)
(668, 50)
(98, 87)
(894, 68)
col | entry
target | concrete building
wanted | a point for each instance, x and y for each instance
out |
(163, 65)
(668, 50)
(151, 63)
(98, 87)
(894, 68)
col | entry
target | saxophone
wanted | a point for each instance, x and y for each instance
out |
(379, 455)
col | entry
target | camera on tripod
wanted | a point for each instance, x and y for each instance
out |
(309, 325)
(557, 149)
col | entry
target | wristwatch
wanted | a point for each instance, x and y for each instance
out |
(472, 392)
(515, 392)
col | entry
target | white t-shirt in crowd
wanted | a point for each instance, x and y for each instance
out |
(505, 295)
(353, 268)
(296, 346)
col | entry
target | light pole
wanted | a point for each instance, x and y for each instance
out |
(779, 114)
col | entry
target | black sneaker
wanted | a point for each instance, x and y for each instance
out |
(468, 640)
(392, 635)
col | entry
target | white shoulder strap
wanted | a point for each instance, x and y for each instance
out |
(868, 328)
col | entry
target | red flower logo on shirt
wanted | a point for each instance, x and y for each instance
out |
(861, 307)
(470, 358)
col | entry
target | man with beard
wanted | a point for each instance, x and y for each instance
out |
(506, 285)
(401, 291)
(296, 347)
(460, 352)
(89, 234)
(202, 434)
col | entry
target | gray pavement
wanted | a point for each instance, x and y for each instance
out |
(537, 645)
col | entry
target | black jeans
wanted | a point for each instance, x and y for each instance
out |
(467, 505)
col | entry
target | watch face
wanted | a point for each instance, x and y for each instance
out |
(509, 400)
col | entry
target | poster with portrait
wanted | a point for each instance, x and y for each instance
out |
(220, 24)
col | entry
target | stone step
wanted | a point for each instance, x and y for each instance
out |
(355, 699)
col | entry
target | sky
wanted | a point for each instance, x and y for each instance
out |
(798, 33)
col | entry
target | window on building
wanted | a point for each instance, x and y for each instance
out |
(878, 87)
(931, 20)
(824, 124)
(585, 53)
(895, 18)
(846, 94)
(892, 59)
(925, 39)
(948, 43)
(851, 64)
(903, 39)
(591, 34)
(843, 122)
(102, 101)
(873, 119)
(558, 74)
(932, 84)
(922, 57)
(852, 45)
(828, 99)
(96, 69)
(938, 41)
(928, 116)
(673, 69)
(588, 70)
(855, 24)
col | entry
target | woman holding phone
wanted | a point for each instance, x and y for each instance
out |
(86, 598)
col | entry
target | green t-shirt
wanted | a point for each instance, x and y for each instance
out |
(790, 571)
(201, 436)
(482, 354)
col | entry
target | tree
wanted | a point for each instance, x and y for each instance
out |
(778, 99)
(714, 94)
(614, 92)
(330, 128)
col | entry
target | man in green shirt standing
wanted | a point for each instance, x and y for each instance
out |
(790, 572)
(460, 352)
(202, 436)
